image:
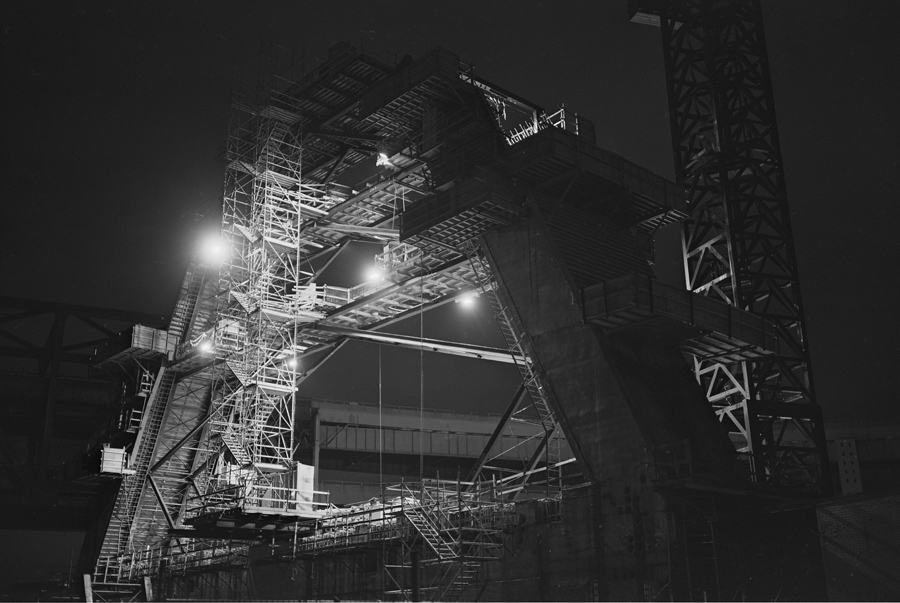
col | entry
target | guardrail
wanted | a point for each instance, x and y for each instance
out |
(631, 298)
(182, 558)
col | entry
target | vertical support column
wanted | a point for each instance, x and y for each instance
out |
(310, 576)
(414, 576)
(317, 445)
(88, 590)
(148, 589)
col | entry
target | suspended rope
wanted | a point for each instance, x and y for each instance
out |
(421, 375)
(380, 432)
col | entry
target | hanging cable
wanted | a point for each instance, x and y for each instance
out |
(380, 432)
(421, 376)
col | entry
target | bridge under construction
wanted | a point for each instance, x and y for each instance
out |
(665, 442)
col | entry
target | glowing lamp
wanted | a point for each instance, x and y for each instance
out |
(206, 347)
(466, 299)
(374, 275)
(214, 250)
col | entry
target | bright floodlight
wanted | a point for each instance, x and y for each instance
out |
(292, 362)
(374, 275)
(466, 299)
(214, 249)
(206, 346)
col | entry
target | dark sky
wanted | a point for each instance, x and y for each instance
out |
(113, 114)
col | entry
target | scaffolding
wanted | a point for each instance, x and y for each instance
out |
(281, 210)
(435, 536)
(126, 527)
(539, 413)
(242, 345)
(268, 292)
(179, 558)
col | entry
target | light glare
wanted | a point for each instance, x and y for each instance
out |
(214, 250)
(374, 275)
(466, 299)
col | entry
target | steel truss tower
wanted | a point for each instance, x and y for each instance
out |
(737, 244)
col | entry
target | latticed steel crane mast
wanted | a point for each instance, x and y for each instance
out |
(737, 244)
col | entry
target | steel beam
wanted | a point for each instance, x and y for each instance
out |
(498, 431)
(431, 345)
(162, 502)
(34, 306)
(178, 446)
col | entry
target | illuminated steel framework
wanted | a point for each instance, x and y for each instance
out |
(174, 401)
(282, 212)
(436, 538)
(217, 453)
(737, 244)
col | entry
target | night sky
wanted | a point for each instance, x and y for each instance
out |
(114, 113)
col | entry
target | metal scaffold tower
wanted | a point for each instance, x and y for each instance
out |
(267, 292)
(737, 244)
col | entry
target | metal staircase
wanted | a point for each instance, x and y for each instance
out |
(118, 533)
(515, 337)
(251, 410)
(119, 537)
(242, 375)
(467, 573)
(453, 541)
(109, 579)
(233, 443)
(477, 544)
(428, 530)
(187, 302)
